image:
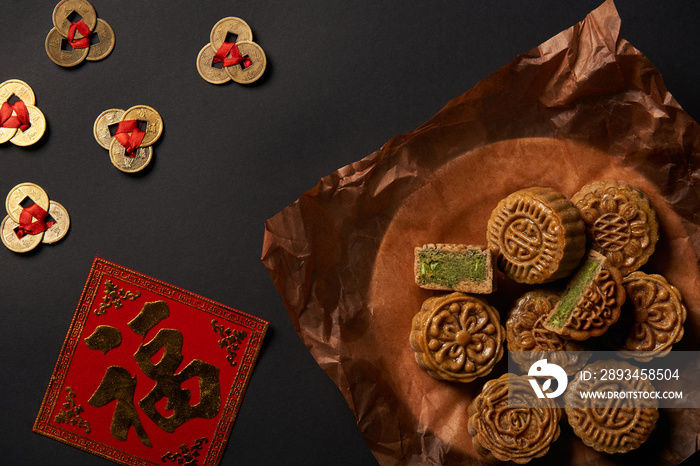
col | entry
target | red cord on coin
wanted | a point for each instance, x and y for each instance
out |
(235, 59)
(84, 30)
(27, 227)
(19, 120)
(130, 136)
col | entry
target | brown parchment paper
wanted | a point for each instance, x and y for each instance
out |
(582, 106)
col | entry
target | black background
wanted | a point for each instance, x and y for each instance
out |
(342, 79)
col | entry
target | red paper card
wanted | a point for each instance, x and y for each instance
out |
(149, 374)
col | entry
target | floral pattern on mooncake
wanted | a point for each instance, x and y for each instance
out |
(620, 222)
(457, 337)
(652, 318)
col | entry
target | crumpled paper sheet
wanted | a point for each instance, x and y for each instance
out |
(584, 105)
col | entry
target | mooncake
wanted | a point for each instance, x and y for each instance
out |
(457, 337)
(508, 422)
(454, 267)
(537, 235)
(653, 317)
(528, 340)
(620, 222)
(591, 301)
(612, 425)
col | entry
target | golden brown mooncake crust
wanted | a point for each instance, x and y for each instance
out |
(537, 235)
(620, 222)
(623, 424)
(528, 339)
(597, 306)
(505, 425)
(457, 337)
(655, 317)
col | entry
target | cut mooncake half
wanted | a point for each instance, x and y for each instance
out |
(591, 301)
(454, 267)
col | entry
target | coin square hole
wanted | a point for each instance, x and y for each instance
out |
(112, 129)
(13, 99)
(65, 45)
(94, 38)
(74, 17)
(231, 37)
(27, 202)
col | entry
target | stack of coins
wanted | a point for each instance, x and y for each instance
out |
(21, 122)
(231, 54)
(78, 34)
(131, 145)
(32, 219)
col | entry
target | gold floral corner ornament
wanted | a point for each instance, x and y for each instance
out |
(113, 296)
(72, 413)
(230, 339)
(188, 456)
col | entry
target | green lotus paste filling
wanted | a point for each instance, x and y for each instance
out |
(449, 269)
(573, 292)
